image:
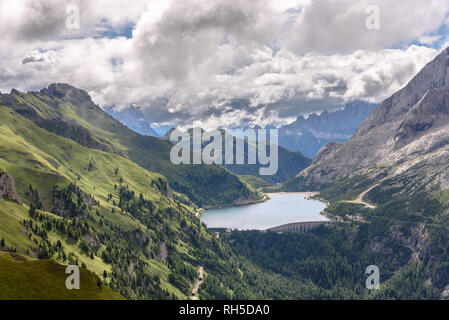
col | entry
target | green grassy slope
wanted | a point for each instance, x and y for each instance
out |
(255, 182)
(21, 279)
(34, 156)
(143, 228)
(70, 112)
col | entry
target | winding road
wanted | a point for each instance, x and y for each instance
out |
(197, 285)
(359, 199)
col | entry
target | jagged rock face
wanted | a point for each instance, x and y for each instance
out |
(70, 94)
(410, 127)
(309, 135)
(7, 188)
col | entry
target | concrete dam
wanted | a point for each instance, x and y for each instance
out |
(300, 227)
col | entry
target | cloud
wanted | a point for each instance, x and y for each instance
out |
(429, 40)
(34, 21)
(331, 26)
(39, 57)
(220, 62)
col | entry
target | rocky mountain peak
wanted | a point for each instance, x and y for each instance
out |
(433, 76)
(409, 128)
(69, 94)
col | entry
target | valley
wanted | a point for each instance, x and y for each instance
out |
(80, 188)
(232, 151)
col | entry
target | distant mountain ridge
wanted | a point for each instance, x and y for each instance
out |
(133, 118)
(289, 162)
(307, 135)
(310, 134)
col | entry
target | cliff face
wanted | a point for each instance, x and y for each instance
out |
(7, 188)
(409, 128)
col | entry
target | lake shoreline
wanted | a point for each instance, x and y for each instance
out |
(312, 196)
(312, 193)
(296, 196)
(237, 204)
(265, 199)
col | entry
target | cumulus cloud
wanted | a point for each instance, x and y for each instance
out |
(40, 58)
(220, 62)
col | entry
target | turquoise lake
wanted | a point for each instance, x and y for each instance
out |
(283, 208)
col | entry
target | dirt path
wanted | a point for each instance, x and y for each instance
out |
(359, 199)
(197, 285)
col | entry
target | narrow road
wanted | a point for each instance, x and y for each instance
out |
(197, 285)
(359, 199)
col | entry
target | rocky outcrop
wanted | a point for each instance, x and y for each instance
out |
(68, 93)
(409, 128)
(7, 188)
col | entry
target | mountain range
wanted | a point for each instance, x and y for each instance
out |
(310, 134)
(306, 135)
(405, 135)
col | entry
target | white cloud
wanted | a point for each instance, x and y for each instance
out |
(340, 25)
(429, 40)
(218, 61)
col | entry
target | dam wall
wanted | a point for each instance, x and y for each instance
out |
(300, 227)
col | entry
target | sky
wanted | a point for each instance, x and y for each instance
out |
(221, 63)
